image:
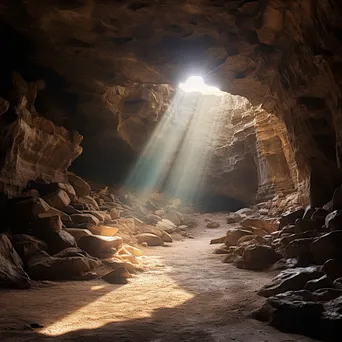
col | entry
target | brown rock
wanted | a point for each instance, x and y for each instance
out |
(77, 233)
(234, 234)
(81, 187)
(103, 230)
(213, 225)
(150, 239)
(58, 240)
(64, 266)
(85, 218)
(269, 225)
(166, 225)
(114, 213)
(290, 218)
(12, 274)
(218, 240)
(117, 276)
(59, 199)
(290, 280)
(100, 246)
(327, 246)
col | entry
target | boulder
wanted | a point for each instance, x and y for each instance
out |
(114, 213)
(299, 248)
(88, 200)
(309, 210)
(327, 246)
(77, 233)
(152, 219)
(269, 225)
(103, 230)
(12, 274)
(333, 221)
(174, 217)
(303, 225)
(213, 225)
(68, 265)
(333, 269)
(100, 246)
(81, 187)
(69, 209)
(221, 251)
(291, 280)
(166, 225)
(258, 257)
(43, 226)
(150, 239)
(69, 189)
(290, 218)
(26, 246)
(319, 283)
(100, 215)
(60, 199)
(85, 218)
(234, 234)
(117, 276)
(58, 240)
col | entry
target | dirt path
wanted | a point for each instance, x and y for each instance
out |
(187, 295)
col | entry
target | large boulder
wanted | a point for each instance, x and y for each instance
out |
(156, 231)
(258, 257)
(103, 230)
(59, 199)
(269, 225)
(57, 241)
(85, 218)
(81, 187)
(27, 245)
(333, 221)
(166, 225)
(12, 274)
(100, 246)
(150, 239)
(77, 233)
(291, 280)
(68, 265)
(117, 276)
(234, 234)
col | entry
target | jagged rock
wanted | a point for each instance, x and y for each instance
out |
(166, 225)
(103, 230)
(43, 226)
(327, 246)
(269, 225)
(150, 239)
(174, 217)
(26, 245)
(85, 218)
(114, 213)
(77, 233)
(69, 189)
(67, 265)
(100, 215)
(213, 225)
(117, 276)
(59, 199)
(34, 147)
(333, 221)
(338, 283)
(258, 257)
(88, 200)
(100, 246)
(58, 240)
(290, 218)
(333, 269)
(291, 313)
(234, 234)
(301, 249)
(81, 187)
(11, 268)
(319, 283)
(303, 225)
(290, 280)
(309, 210)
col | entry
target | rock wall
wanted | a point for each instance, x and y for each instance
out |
(32, 148)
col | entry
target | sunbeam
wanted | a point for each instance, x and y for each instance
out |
(177, 157)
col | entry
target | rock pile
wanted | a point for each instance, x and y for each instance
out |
(306, 297)
(66, 231)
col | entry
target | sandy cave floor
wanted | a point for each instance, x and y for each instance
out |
(187, 294)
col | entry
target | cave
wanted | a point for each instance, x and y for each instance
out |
(210, 127)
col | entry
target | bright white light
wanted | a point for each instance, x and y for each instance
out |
(196, 84)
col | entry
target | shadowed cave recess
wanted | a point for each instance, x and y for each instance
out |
(107, 146)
